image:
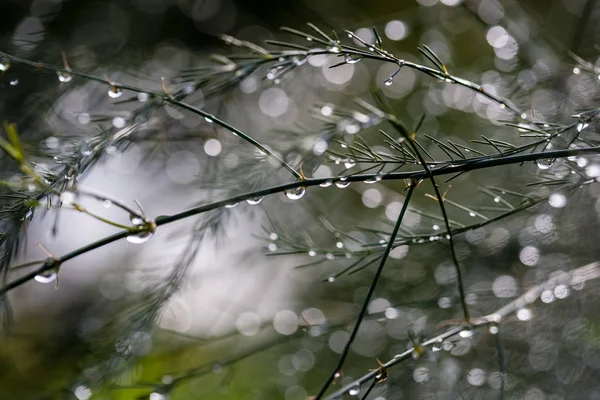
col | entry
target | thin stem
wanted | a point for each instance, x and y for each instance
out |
(365, 304)
(235, 131)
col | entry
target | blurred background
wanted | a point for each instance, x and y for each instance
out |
(215, 306)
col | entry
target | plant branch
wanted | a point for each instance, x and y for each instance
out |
(370, 292)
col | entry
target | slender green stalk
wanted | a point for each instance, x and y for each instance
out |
(365, 304)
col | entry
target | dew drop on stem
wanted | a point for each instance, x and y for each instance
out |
(388, 81)
(351, 60)
(342, 184)
(231, 205)
(354, 390)
(255, 200)
(326, 183)
(140, 237)
(115, 93)
(145, 229)
(46, 276)
(545, 163)
(295, 193)
(64, 77)
(136, 219)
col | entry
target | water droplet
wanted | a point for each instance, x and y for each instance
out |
(472, 214)
(466, 333)
(331, 279)
(493, 329)
(576, 71)
(341, 184)
(46, 276)
(388, 81)
(309, 38)
(497, 199)
(339, 245)
(115, 93)
(581, 126)
(107, 203)
(349, 164)
(273, 236)
(329, 256)
(64, 77)
(136, 219)
(370, 181)
(354, 391)
(326, 183)
(295, 193)
(298, 61)
(143, 97)
(231, 205)
(146, 227)
(351, 60)
(66, 198)
(4, 64)
(14, 82)
(545, 164)
(503, 106)
(312, 253)
(255, 200)
(415, 354)
(437, 346)
(209, 120)
(141, 237)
